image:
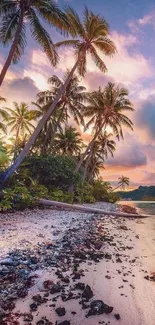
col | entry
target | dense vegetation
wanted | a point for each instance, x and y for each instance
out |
(142, 193)
(45, 155)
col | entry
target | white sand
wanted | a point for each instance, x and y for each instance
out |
(136, 306)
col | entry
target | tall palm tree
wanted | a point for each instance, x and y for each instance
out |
(15, 15)
(68, 142)
(123, 181)
(100, 150)
(54, 123)
(72, 99)
(19, 120)
(71, 104)
(106, 108)
(91, 35)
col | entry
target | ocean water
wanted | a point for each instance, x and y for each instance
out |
(144, 207)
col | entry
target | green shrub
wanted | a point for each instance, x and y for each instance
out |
(84, 193)
(102, 192)
(37, 190)
(61, 196)
(52, 171)
(17, 198)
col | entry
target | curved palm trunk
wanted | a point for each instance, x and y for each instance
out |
(87, 163)
(12, 50)
(116, 187)
(89, 147)
(41, 123)
(16, 141)
(91, 173)
(56, 126)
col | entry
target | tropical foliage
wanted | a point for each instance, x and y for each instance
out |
(43, 143)
(16, 14)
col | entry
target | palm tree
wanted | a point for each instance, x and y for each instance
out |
(106, 108)
(19, 121)
(15, 15)
(123, 181)
(70, 104)
(100, 150)
(46, 136)
(91, 34)
(68, 142)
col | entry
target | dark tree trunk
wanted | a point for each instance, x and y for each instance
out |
(12, 50)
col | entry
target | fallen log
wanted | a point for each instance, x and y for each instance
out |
(82, 208)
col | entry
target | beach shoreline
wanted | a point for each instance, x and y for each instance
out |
(110, 255)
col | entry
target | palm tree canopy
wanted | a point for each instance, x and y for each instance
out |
(123, 180)
(19, 118)
(107, 108)
(90, 36)
(11, 12)
(73, 99)
(68, 142)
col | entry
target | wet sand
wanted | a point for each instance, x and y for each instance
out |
(118, 281)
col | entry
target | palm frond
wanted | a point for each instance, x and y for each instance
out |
(43, 38)
(98, 61)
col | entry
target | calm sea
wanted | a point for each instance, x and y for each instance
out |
(145, 207)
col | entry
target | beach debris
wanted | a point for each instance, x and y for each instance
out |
(44, 321)
(87, 293)
(118, 260)
(98, 307)
(28, 317)
(60, 311)
(80, 286)
(65, 322)
(117, 316)
(150, 277)
(48, 284)
(56, 288)
(33, 306)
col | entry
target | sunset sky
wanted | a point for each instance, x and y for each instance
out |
(132, 25)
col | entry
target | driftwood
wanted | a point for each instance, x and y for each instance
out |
(82, 208)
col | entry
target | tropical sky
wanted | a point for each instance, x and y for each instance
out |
(132, 25)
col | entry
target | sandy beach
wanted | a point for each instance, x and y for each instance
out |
(90, 258)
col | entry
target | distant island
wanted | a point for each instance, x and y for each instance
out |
(142, 193)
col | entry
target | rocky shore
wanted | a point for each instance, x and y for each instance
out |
(67, 268)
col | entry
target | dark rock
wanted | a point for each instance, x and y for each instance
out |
(39, 299)
(22, 292)
(56, 288)
(34, 260)
(118, 260)
(44, 321)
(107, 256)
(65, 322)
(98, 307)
(117, 316)
(48, 284)
(87, 293)
(60, 311)
(33, 306)
(80, 286)
(67, 297)
(80, 255)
